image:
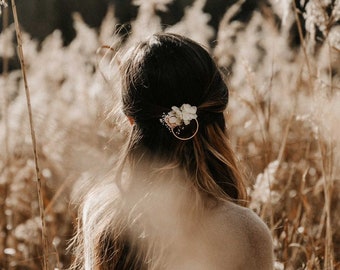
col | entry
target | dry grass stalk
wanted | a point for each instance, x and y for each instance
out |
(4, 94)
(34, 143)
(4, 113)
(303, 44)
(326, 149)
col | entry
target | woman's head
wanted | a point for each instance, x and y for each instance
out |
(170, 70)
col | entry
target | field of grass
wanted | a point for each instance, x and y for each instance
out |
(283, 120)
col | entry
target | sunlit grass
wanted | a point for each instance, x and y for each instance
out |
(283, 120)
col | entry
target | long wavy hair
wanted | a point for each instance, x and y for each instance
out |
(165, 70)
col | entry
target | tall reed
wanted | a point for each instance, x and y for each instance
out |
(33, 137)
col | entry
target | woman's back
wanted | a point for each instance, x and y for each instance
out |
(173, 227)
(224, 236)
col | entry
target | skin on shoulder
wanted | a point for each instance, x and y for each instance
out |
(230, 237)
(244, 240)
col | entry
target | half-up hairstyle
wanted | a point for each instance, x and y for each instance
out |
(170, 70)
(164, 71)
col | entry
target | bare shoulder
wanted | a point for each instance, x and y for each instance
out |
(248, 236)
(253, 225)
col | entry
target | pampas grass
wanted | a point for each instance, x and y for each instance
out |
(282, 118)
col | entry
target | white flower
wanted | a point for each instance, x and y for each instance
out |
(188, 113)
(178, 116)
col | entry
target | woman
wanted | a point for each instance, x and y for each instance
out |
(175, 201)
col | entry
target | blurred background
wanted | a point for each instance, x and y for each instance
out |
(281, 60)
(40, 18)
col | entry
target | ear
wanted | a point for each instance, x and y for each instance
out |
(131, 120)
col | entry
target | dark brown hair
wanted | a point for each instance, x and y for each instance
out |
(164, 71)
(170, 70)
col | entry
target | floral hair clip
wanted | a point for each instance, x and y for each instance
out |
(178, 118)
